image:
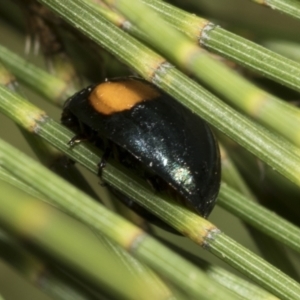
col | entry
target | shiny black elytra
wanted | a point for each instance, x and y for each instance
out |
(152, 133)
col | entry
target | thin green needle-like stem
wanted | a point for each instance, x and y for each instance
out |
(271, 280)
(290, 7)
(260, 217)
(35, 77)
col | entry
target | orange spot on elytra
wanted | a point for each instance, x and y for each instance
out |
(110, 97)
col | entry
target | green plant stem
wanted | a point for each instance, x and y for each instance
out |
(268, 278)
(286, 48)
(290, 7)
(242, 287)
(12, 180)
(246, 289)
(48, 85)
(260, 217)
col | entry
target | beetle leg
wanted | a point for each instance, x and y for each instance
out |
(104, 158)
(76, 139)
(83, 135)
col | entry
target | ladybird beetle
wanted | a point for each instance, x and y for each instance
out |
(147, 130)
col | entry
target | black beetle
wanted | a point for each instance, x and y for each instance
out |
(147, 130)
